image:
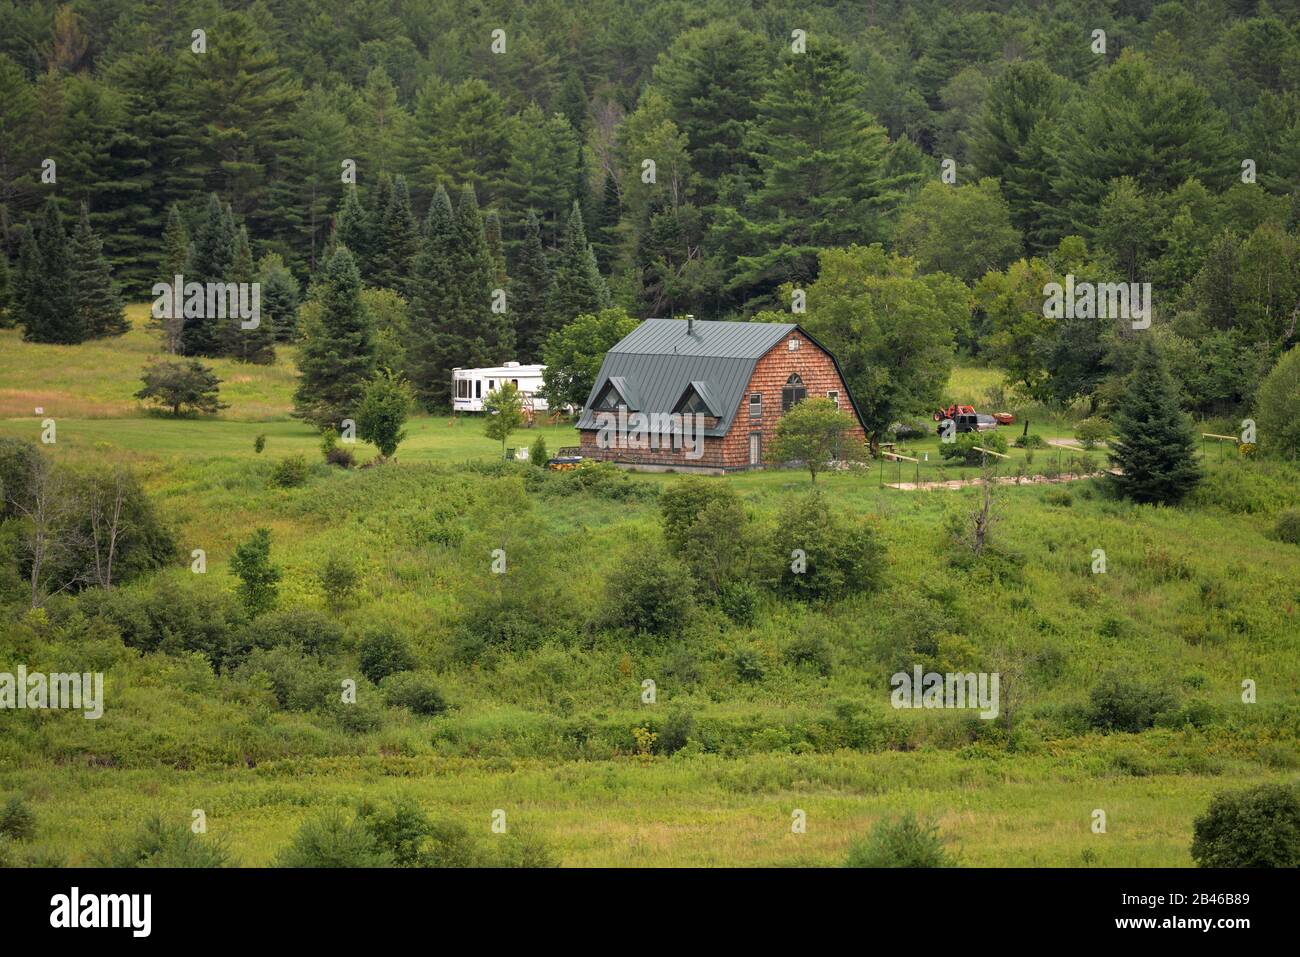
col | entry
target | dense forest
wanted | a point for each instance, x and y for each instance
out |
(672, 157)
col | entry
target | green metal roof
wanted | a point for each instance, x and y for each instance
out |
(659, 360)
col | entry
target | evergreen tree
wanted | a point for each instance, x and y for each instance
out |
(821, 157)
(397, 241)
(94, 294)
(257, 343)
(380, 200)
(6, 292)
(482, 336)
(351, 225)
(604, 231)
(280, 297)
(1154, 446)
(430, 295)
(47, 310)
(1010, 141)
(212, 261)
(530, 293)
(713, 78)
(338, 353)
(543, 166)
(496, 248)
(578, 287)
(176, 247)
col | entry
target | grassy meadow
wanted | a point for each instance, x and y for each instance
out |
(1195, 600)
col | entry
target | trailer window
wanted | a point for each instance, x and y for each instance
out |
(478, 388)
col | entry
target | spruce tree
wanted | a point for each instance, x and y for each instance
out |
(530, 292)
(338, 351)
(212, 261)
(351, 225)
(1154, 446)
(48, 313)
(6, 291)
(176, 246)
(477, 335)
(496, 248)
(255, 344)
(578, 288)
(94, 294)
(376, 215)
(397, 241)
(604, 231)
(280, 297)
(430, 294)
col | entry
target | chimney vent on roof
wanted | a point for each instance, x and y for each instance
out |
(690, 324)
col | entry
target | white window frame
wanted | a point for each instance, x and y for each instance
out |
(759, 405)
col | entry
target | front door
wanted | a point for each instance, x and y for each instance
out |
(755, 440)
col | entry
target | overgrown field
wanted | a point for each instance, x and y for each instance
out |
(757, 714)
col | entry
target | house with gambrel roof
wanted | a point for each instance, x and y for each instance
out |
(739, 377)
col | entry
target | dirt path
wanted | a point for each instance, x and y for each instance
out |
(999, 480)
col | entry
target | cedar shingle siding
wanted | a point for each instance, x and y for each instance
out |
(723, 364)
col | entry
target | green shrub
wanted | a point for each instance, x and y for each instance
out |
(382, 654)
(705, 526)
(1031, 441)
(17, 820)
(341, 457)
(675, 732)
(1276, 402)
(650, 592)
(748, 665)
(739, 602)
(157, 843)
(1092, 432)
(537, 452)
(334, 839)
(817, 555)
(1287, 528)
(1121, 703)
(905, 842)
(415, 691)
(302, 629)
(171, 616)
(259, 579)
(259, 444)
(298, 683)
(1258, 827)
(338, 579)
(290, 472)
(1059, 497)
(809, 651)
(964, 450)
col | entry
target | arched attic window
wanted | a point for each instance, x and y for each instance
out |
(793, 393)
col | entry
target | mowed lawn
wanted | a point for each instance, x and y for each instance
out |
(1168, 602)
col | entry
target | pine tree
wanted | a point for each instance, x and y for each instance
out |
(430, 294)
(176, 246)
(255, 344)
(280, 297)
(496, 248)
(338, 352)
(821, 157)
(212, 260)
(94, 294)
(578, 287)
(397, 241)
(604, 231)
(6, 292)
(376, 215)
(351, 225)
(47, 312)
(1154, 446)
(485, 336)
(530, 292)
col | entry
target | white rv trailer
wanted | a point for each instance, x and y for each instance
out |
(471, 386)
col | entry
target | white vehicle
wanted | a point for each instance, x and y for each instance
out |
(471, 386)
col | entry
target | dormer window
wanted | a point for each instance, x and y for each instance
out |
(609, 400)
(695, 401)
